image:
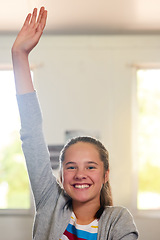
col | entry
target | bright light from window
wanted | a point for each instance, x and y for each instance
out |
(7, 107)
(14, 185)
(148, 87)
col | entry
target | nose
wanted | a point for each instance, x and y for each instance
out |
(80, 174)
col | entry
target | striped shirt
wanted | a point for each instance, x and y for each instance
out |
(75, 231)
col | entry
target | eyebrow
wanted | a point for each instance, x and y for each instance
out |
(70, 163)
(89, 162)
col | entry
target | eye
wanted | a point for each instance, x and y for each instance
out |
(71, 167)
(91, 167)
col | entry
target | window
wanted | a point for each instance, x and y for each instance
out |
(148, 142)
(14, 183)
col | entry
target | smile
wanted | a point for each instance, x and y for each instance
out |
(81, 186)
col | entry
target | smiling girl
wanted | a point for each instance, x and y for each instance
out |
(82, 208)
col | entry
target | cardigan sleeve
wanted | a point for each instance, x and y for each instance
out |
(35, 149)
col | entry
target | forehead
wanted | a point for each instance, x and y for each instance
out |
(81, 151)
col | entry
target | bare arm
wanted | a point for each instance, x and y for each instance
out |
(26, 40)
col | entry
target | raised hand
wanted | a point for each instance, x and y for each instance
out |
(31, 31)
(26, 40)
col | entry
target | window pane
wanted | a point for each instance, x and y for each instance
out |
(148, 83)
(14, 184)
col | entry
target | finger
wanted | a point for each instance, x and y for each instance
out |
(40, 14)
(34, 16)
(27, 20)
(43, 20)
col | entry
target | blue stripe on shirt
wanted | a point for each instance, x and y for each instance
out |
(81, 233)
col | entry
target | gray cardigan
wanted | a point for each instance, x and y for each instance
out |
(52, 211)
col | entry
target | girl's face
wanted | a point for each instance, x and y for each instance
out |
(83, 173)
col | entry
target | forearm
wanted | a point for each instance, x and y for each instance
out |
(22, 74)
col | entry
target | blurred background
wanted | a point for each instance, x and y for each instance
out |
(97, 72)
(86, 17)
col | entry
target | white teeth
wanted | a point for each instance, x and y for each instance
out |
(81, 186)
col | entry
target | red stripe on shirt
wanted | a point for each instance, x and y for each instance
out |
(71, 236)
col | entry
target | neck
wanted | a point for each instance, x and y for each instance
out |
(85, 212)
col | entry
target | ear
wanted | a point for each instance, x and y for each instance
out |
(106, 176)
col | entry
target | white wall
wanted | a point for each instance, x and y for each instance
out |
(86, 82)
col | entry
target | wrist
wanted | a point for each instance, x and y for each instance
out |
(19, 55)
(18, 52)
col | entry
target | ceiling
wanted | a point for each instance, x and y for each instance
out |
(85, 16)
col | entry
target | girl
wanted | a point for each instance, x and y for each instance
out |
(82, 208)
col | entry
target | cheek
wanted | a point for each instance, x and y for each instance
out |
(66, 177)
(98, 178)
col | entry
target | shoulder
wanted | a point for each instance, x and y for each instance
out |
(116, 210)
(118, 223)
(117, 213)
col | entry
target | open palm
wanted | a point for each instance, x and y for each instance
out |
(31, 31)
